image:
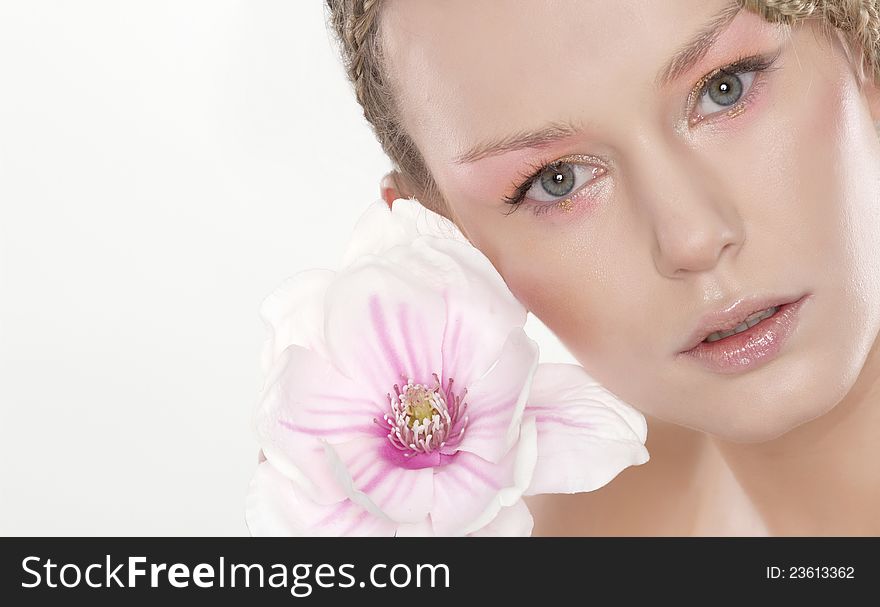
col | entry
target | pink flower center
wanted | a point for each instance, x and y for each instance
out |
(423, 419)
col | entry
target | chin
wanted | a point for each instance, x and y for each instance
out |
(807, 390)
(766, 429)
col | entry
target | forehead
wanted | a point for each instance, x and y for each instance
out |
(468, 70)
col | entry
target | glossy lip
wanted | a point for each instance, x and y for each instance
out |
(760, 343)
(733, 315)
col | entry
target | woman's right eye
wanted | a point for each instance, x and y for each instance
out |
(560, 180)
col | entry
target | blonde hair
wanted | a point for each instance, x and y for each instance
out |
(356, 28)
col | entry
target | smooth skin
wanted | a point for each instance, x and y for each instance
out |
(779, 197)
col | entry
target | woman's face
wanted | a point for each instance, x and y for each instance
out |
(681, 199)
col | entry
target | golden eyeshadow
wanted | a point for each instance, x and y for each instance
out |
(583, 158)
(737, 110)
(565, 205)
(696, 93)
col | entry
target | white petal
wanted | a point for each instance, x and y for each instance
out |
(294, 314)
(469, 492)
(421, 529)
(367, 469)
(480, 308)
(496, 401)
(275, 506)
(380, 324)
(381, 228)
(306, 403)
(513, 521)
(586, 436)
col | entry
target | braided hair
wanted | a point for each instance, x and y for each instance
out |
(356, 27)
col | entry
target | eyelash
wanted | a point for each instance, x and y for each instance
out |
(759, 64)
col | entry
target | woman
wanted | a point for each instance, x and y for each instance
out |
(688, 194)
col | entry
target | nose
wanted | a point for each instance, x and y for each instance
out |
(693, 212)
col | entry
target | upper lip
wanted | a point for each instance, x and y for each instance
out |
(729, 316)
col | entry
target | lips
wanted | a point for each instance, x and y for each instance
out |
(730, 316)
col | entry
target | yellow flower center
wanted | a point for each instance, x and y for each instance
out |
(420, 405)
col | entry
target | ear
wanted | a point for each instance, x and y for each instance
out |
(392, 187)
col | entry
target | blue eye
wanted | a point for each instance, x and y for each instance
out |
(724, 91)
(559, 180)
(728, 87)
(553, 182)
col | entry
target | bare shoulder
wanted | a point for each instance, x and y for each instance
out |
(660, 497)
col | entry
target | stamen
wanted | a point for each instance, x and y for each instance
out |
(421, 418)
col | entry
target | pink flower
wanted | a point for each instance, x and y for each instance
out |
(404, 398)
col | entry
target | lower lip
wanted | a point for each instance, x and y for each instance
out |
(751, 348)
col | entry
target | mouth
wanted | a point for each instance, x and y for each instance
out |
(749, 322)
(737, 318)
(738, 337)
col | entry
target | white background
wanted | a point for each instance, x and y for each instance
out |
(164, 165)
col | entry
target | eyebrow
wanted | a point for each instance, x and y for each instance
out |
(688, 55)
(697, 47)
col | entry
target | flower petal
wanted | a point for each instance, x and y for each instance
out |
(480, 308)
(513, 521)
(495, 403)
(305, 404)
(367, 468)
(380, 228)
(275, 506)
(421, 529)
(469, 492)
(294, 314)
(381, 323)
(586, 436)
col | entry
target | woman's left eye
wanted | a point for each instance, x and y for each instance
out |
(729, 88)
(724, 91)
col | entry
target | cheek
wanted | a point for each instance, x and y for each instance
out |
(827, 184)
(858, 174)
(588, 294)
